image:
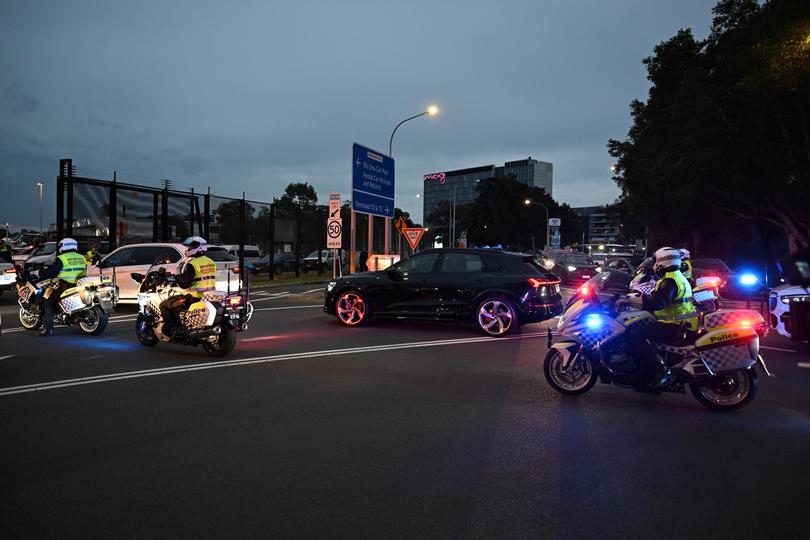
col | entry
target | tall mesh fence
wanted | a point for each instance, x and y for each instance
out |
(136, 213)
(90, 222)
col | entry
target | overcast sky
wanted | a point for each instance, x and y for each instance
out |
(249, 96)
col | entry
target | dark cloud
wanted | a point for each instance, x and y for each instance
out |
(249, 96)
(19, 101)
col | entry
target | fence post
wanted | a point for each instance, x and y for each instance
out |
(320, 234)
(164, 216)
(112, 218)
(69, 224)
(191, 213)
(272, 252)
(207, 210)
(242, 234)
(297, 241)
(154, 217)
(60, 205)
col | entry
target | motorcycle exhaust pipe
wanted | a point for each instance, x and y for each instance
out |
(205, 332)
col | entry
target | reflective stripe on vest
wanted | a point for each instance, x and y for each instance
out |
(205, 276)
(73, 267)
(681, 308)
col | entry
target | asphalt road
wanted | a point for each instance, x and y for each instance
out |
(396, 430)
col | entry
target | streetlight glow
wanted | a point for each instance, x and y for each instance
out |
(433, 110)
(527, 202)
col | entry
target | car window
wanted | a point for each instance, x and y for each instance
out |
(418, 264)
(118, 257)
(220, 255)
(460, 263)
(577, 258)
(148, 255)
(47, 249)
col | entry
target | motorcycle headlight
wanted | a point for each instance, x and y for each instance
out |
(330, 286)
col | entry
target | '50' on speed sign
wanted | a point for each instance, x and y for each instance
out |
(334, 234)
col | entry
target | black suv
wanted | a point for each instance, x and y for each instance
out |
(496, 290)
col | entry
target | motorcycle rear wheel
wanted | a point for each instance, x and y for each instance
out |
(576, 380)
(30, 320)
(98, 321)
(144, 332)
(727, 391)
(223, 346)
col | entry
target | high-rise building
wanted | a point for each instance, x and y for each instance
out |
(460, 184)
(600, 226)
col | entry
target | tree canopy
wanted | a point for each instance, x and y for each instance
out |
(725, 130)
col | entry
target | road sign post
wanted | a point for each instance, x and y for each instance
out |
(334, 230)
(372, 191)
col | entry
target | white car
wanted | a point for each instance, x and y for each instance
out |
(8, 277)
(779, 301)
(252, 254)
(138, 258)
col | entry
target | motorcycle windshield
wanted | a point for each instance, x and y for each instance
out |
(609, 282)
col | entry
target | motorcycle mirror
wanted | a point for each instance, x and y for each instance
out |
(137, 278)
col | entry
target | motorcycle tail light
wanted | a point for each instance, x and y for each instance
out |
(234, 301)
(10, 271)
(584, 290)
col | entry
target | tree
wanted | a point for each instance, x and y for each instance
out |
(298, 195)
(725, 130)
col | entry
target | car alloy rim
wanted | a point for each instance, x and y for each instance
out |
(351, 309)
(495, 317)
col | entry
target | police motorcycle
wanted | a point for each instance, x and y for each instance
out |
(705, 293)
(87, 304)
(212, 321)
(717, 363)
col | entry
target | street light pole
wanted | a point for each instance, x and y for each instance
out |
(528, 202)
(431, 111)
(40, 189)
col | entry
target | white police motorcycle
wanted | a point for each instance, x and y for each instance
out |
(213, 321)
(717, 363)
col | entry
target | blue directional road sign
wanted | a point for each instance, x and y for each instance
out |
(372, 182)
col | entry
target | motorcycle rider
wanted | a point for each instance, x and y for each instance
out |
(196, 274)
(5, 250)
(68, 267)
(686, 265)
(671, 303)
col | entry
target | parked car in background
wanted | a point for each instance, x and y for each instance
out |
(138, 258)
(310, 262)
(496, 290)
(42, 257)
(282, 262)
(574, 268)
(622, 262)
(252, 254)
(8, 277)
(780, 301)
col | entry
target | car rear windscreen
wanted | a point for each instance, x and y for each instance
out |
(219, 255)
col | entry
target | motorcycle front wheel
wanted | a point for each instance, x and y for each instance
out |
(577, 379)
(94, 322)
(144, 331)
(30, 320)
(727, 391)
(224, 344)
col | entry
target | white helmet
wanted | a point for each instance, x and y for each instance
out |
(666, 258)
(196, 245)
(67, 244)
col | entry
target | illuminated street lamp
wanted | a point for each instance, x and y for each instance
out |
(529, 202)
(40, 190)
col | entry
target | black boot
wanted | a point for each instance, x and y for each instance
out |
(45, 333)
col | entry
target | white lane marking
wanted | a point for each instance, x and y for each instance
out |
(262, 299)
(776, 349)
(263, 338)
(52, 385)
(313, 290)
(7, 356)
(804, 365)
(288, 307)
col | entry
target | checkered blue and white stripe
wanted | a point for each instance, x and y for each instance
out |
(729, 358)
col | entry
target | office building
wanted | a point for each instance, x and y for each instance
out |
(600, 226)
(444, 186)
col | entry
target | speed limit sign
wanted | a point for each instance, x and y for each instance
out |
(334, 233)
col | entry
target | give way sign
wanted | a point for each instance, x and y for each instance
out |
(413, 235)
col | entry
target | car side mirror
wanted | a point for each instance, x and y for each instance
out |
(393, 274)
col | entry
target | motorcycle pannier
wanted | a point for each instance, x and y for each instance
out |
(72, 303)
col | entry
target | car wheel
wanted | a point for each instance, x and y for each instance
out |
(497, 316)
(352, 309)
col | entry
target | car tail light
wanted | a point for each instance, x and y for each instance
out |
(537, 283)
(235, 269)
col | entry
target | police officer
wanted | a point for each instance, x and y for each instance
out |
(5, 251)
(92, 256)
(197, 275)
(671, 303)
(68, 267)
(686, 266)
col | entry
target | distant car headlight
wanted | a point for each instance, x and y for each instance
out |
(330, 286)
(598, 268)
(571, 268)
